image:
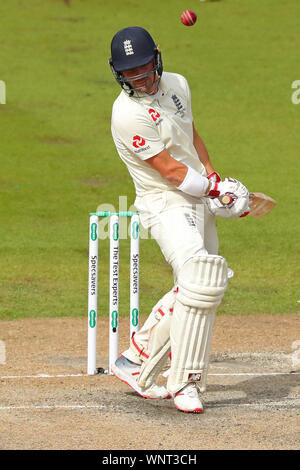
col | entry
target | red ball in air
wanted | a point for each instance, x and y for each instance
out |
(188, 18)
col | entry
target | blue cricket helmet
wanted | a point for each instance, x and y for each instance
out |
(130, 48)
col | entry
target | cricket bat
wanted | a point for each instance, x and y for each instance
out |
(260, 204)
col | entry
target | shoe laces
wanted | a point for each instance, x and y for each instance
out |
(128, 366)
(192, 390)
(156, 387)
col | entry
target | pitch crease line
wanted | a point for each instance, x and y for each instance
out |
(51, 407)
(47, 376)
(286, 403)
(254, 373)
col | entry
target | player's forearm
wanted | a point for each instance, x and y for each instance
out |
(171, 169)
(183, 177)
(202, 152)
(177, 175)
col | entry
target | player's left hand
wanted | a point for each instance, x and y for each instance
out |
(239, 194)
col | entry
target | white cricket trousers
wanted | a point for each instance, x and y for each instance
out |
(183, 227)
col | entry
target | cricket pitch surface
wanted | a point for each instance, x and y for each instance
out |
(48, 402)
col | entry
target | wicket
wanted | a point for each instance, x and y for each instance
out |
(113, 284)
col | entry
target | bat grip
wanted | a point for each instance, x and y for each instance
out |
(226, 199)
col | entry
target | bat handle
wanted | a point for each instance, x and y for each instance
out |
(226, 199)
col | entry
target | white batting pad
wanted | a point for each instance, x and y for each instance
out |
(202, 281)
(160, 349)
(201, 285)
(141, 343)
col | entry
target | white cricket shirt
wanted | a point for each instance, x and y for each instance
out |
(143, 127)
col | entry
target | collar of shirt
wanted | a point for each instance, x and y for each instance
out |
(148, 99)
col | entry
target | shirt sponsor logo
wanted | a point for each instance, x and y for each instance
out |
(155, 116)
(139, 144)
(180, 108)
(138, 141)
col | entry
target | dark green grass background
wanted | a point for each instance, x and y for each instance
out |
(58, 161)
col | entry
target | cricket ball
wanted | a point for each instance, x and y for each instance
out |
(188, 18)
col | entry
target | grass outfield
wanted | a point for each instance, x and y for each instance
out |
(58, 161)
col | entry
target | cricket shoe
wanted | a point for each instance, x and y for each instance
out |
(128, 372)
(187, 399)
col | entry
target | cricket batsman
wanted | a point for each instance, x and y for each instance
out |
(178, 196)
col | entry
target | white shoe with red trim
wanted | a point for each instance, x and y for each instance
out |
(187, 399)
(128, 372)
